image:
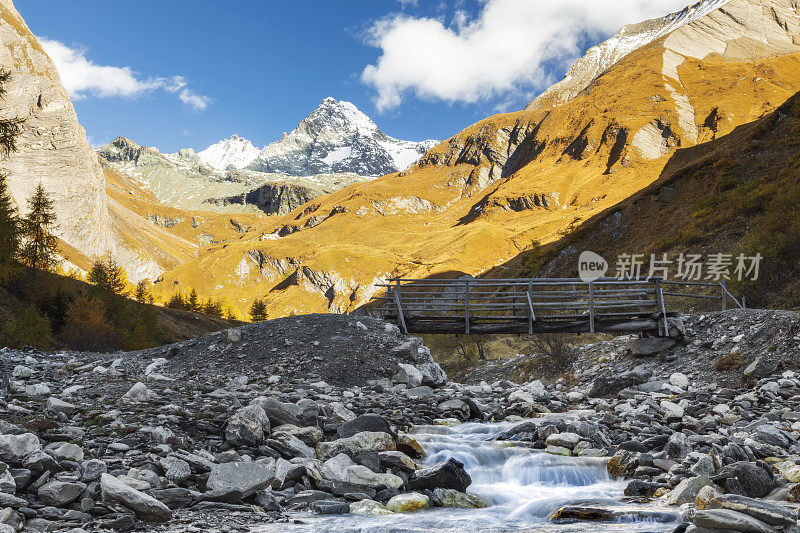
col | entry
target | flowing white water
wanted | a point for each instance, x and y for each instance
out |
(522, 488)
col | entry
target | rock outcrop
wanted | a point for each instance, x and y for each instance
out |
(52, 149)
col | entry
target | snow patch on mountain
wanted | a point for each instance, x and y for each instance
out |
(235, 152)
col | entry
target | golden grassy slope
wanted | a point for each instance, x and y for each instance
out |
(479, 198)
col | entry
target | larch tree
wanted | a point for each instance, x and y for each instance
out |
(39, 248)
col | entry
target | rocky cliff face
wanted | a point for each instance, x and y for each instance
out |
(52, 148)
(337, 137)
(274, 198)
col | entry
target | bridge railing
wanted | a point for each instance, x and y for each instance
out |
(532, 305)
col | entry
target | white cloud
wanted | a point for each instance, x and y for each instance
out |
(85, 79)
(195, 101)
(501, 51)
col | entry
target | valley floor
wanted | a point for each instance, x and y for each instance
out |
(291, 421)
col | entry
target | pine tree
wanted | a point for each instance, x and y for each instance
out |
(192, 301)
(258, 311)
(117, 278)
(10, 225)
(10, 128)
(142, 293)
(39, 250)
(98, 275)
(10, 228)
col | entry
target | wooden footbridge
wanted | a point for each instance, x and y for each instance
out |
(541, 305)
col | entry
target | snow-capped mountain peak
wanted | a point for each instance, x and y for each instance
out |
(335, 138)
(234, 152)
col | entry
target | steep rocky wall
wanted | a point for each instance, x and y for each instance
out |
(52, 149)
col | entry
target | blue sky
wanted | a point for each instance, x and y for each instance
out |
(182, 73)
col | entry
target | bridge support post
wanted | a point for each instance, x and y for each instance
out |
(663, 325)
(466, 306)
(400, 318)
(591, 307)
(724, 297)
(531, 315)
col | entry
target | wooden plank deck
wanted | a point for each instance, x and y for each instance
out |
(536, 305)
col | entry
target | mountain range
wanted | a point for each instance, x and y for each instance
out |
(334, 138)
(624, 113)
(335, 146)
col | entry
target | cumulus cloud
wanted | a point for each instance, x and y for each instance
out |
(85, 79)
(504, 49)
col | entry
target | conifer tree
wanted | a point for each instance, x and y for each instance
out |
(258, 311)
(192, 301)
(39, 250)
(98, 275)
(10, 228)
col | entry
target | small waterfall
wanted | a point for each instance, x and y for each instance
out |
(522, 487)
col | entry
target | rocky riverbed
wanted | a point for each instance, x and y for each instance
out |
(304, 417)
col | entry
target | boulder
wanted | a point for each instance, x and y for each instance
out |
(564, 440)
(460, 500)
(247, 426)
(361, 475)
(448, 474)
(15, 447)
(366, 422)
(727, 520)
(291, 444)
(409, 375)
(60, 493)
(765, 511)
(408, 502)
(247, 478)
(366, 440)
(687, 490)
(54, 405)
(139, 393)
(680, 380)
(651, 346)
(278, 412)
(335, 468)
(175, 469)
(146, 507)
(744, 478)
(369, 508)
(69, 451)
(678, 446)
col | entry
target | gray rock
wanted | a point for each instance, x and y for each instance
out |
(247, 478)
(175, 469)
(93, 469)
(146, 507)
(727, 520)
(267, 501)
(15, 447)
(60, 493)
(651, 346)
(366, 422)
(765, 511)
(687, 490)
(247, 426)
(745, 478)
(409, 375)
(278, 412)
